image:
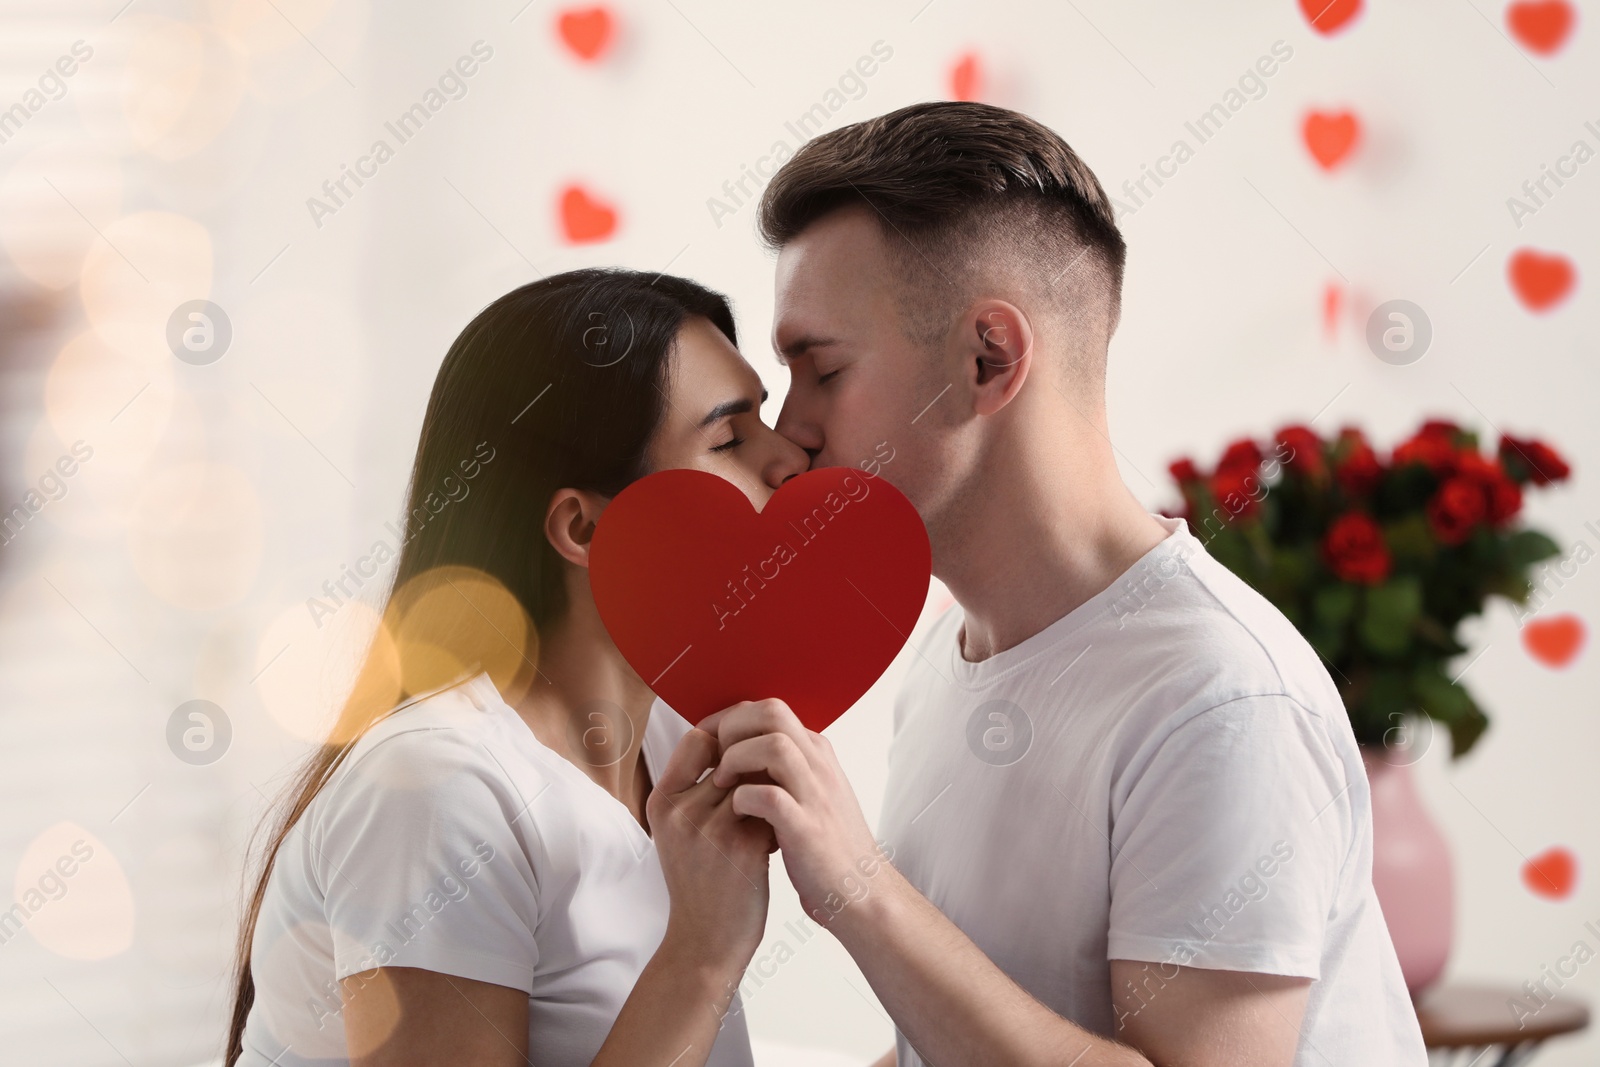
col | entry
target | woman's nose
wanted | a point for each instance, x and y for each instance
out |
(788, 460)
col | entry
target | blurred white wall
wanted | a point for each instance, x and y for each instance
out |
(178, 163)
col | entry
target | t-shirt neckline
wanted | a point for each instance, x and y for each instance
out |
(482, 688)
(986, 672)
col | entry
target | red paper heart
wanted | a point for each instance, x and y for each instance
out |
(808, 600)
(965, 78)
(1328, 16)
(1331, 135)
(1552, 874)
(1541, 281)
(586, 30)
(1554, 641)
(585, 218)
(1541, 25)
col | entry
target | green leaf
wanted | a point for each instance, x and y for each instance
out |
(1465, 731)
(1451, 704)
(1527, 547)
(1410, 539)
(1334, 605)
(1390, 615)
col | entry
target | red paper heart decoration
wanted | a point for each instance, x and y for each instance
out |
(965, 77)
(586, 30)
(1552, 874)
(1328, 16)
(1331, 135)
(808, 600)
(1541, 25)
(1554, 641)
(584, 218)
(1541, 281)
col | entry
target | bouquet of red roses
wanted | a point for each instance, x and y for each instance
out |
(1377, 562)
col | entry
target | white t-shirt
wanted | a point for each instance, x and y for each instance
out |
(450, 839)
(1164, 774)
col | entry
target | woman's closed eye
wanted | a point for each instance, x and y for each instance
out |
(729, 445)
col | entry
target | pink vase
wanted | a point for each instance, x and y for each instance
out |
(1411, 871)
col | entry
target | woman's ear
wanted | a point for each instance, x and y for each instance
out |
(569, 523)
(999, 350)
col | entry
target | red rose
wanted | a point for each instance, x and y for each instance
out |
(1243, 454)
(1304, 451)
(1541, 463)
(1236, 488)
(1435, 451)
(1357, 467)
(1183, 470)
(1457, 507)
(1502, 498)
(1505, 500)
(1354, 549)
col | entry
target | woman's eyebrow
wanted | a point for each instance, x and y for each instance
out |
(730, 407)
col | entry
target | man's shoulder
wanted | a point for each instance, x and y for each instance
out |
(1194, 619)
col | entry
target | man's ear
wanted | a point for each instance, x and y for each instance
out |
(569, 523)
(998, 350)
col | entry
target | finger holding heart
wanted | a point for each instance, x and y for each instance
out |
(789, 776)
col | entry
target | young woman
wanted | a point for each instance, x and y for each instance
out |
(492, 860)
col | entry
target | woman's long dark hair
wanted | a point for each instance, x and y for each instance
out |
(563, 381)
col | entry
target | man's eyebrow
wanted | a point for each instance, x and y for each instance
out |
(800, 345)
(731, 407)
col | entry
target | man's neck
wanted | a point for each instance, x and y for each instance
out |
(1067, 532)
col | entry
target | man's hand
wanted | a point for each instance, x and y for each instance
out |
(804, 795)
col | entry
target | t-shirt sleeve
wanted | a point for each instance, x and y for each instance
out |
(1228, 847)
(422, 862)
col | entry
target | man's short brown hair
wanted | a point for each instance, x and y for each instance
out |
(962, 191)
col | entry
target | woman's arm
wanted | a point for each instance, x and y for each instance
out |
(715, 864)
(408, 1017)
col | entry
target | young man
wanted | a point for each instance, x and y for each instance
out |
(1128, 818)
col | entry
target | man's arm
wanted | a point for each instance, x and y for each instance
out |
(953, 1004)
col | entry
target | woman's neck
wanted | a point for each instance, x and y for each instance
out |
(589, 706)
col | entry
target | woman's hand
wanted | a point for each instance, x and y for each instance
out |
(715, 864)
(714, 861)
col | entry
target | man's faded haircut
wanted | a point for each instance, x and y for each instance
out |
(966, 191)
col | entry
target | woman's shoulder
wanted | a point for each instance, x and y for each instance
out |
(451, 739)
